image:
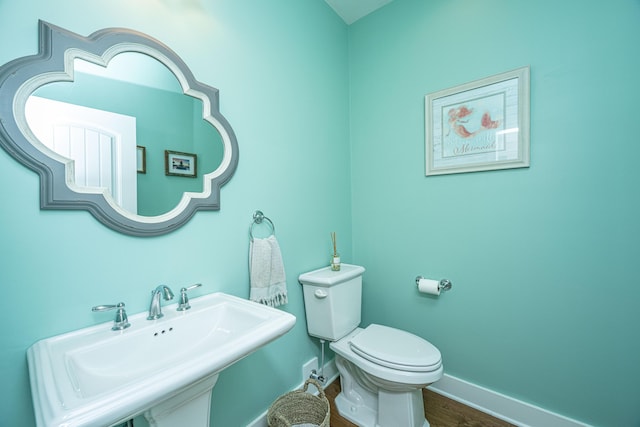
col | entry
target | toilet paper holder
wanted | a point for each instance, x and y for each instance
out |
(443, 285)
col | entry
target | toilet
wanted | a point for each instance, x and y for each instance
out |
(382, 369)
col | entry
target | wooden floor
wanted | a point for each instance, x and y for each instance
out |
(439, 410)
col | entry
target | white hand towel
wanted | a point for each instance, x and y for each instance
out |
(266, 272)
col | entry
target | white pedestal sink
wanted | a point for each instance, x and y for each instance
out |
(163, 368)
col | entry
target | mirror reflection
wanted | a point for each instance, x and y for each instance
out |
(107, 117)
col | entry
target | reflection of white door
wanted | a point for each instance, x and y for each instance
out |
(102, 145)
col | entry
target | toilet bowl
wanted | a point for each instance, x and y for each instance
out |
(383, 371)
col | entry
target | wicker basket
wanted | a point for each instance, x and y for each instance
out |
(299, 408)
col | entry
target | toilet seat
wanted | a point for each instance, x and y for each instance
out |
(396, 349)
(392, 378)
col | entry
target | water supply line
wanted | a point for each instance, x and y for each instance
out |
(314, 374)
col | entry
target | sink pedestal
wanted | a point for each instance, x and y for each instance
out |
(190, 407)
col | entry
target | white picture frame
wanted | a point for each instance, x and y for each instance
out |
(478, 126)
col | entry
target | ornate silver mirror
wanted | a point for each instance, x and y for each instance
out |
(116, 124)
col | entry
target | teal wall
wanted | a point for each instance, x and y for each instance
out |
(544, 306)
(281, 67)
(330, 124)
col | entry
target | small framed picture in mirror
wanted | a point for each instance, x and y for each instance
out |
(177, 163)
(141, 159)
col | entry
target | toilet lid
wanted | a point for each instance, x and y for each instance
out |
(396, 349)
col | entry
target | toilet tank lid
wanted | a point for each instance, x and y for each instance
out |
(327, 277)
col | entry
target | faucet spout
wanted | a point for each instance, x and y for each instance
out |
(155, 308)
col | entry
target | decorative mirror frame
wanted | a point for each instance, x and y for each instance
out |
(54, 62)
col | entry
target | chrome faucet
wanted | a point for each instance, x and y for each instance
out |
(155, 309)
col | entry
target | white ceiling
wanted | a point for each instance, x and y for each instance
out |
(352, 10)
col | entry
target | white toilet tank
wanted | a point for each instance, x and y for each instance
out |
(332, 300)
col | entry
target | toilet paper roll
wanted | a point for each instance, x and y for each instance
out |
(429, 286)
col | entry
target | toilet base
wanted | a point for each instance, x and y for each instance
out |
(364, 416)
(360, 415)
(366, 405)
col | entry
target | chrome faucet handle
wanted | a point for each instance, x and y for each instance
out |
(184, 299)
(121, 321)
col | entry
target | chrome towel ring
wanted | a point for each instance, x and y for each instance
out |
(258, 218)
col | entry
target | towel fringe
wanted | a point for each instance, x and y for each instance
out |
(274, 300)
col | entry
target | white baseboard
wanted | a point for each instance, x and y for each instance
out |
(499, 405)
(261, 421)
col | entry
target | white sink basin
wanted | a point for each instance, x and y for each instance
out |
(97, 377)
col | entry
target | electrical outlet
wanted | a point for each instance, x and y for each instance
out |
(309, 368)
